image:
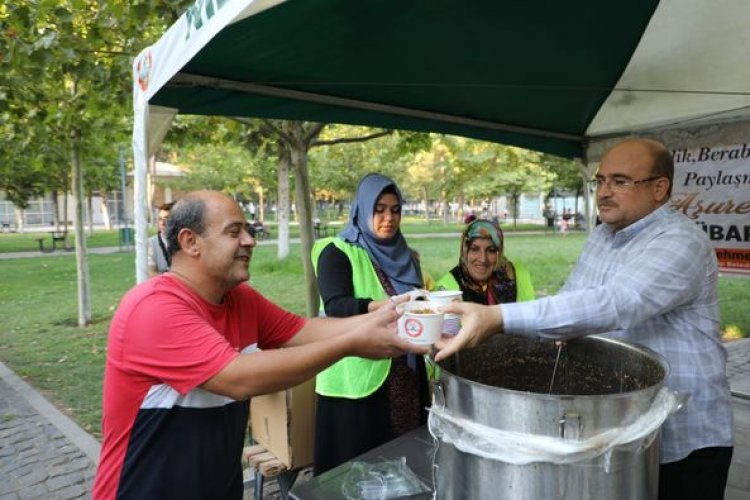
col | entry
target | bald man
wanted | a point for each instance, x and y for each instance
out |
(647, 275)
(183, 360)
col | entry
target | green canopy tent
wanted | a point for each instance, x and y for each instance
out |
(551, 76)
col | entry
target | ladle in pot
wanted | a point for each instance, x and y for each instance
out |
(557, 362)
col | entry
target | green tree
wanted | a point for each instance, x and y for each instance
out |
(461, 169)
(224, 167)
(522, 172)
(474, 174)
(430, 174)
(571, 176)
(66, 76)
(567, 174)
(336, 169)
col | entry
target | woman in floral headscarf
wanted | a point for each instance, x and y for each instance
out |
(483, 273)
(363, 403)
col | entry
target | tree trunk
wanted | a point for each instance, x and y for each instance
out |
(82, 267)
(446, 209)
(282, 202)
(514, 199)
(65, 207)
(426, 205)
(90, 212)
(105, 210)
(304, 216)
(20, 220)
(56, 210)
(261, 209)
(315, 213)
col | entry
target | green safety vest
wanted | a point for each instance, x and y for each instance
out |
(353, 377)
(524, 288)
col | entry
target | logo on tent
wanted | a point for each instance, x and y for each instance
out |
(143, 67)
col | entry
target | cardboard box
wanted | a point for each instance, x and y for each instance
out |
(284, 424)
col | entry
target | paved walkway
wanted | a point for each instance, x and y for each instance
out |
(738, 370)
(44, 454)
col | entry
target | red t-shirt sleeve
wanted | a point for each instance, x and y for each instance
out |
(171, 342)
(276, 326)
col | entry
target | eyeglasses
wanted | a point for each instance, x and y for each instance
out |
(163, 219)
(619, 184)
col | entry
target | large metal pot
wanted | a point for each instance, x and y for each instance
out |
(599, 384)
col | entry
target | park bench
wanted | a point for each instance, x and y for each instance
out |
(322, 230)
(58, 237)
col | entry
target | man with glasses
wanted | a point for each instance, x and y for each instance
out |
(647, 275)
(158, 254)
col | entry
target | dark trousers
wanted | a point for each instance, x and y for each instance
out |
(346, 428)
(702, 475)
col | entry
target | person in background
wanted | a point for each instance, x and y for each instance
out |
(257, 229)
(183, 360)
(483, 273)
(580, 221)
(549, 216)
(158, 252)
(647, 275)
(565, 221)
(363, 403)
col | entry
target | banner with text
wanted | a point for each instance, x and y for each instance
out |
(712, 187)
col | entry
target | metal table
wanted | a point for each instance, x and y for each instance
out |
(417, 446)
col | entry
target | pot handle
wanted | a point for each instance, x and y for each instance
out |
(570, 425)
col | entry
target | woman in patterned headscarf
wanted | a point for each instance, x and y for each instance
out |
(483, 273)
(363, 403)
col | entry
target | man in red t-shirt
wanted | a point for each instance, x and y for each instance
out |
(183, 359)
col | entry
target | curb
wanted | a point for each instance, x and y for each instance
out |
(83, 440)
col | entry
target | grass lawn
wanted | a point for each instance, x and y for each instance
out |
(40, 341)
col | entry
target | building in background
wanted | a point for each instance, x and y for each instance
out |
(103, 210)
